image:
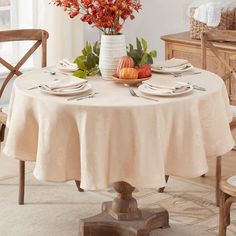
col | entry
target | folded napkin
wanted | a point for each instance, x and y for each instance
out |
(209, 12)
(174, 62)
(66, 64)
(165, 85)
(68, 83)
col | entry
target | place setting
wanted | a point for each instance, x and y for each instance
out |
(65, 86)
(165, 87)
(63, 83)
(174, 66)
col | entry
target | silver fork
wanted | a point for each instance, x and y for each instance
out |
(132, 92)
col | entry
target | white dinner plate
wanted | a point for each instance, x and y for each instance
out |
(170, 70)
(66, 68)
(144, 88)
(66, 91)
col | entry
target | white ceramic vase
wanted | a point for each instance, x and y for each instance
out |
(113, 47)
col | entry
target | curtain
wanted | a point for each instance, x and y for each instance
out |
(66, 37)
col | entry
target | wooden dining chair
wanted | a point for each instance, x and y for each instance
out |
(208, 39)
(40, 38)
(227, 198)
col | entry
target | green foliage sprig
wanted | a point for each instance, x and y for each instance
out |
(140, 54)
(88, 61)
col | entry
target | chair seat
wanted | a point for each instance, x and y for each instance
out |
(233, 122)
(3, 113)
(232, 180)
(4, 108)
(229, 186)
(233, 110)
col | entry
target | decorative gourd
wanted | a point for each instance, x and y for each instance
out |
(128, 73)
(124, 62)
(144, 71)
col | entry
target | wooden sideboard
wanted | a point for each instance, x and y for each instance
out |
(182, 46)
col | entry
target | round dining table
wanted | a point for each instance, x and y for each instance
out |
(116, 138)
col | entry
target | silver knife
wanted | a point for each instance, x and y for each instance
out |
(198, 88)
(82, 97)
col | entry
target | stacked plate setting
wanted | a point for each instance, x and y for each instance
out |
(172, 66)
(165, 87)
(65, 86)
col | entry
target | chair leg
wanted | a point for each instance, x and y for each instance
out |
(218, 178)
(78, 186)
(161, 190)
(2, 132)
(222, 219)
(228, 203)
(21, 183)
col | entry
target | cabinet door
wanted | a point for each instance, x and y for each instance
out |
(188, 53)
(214, 64)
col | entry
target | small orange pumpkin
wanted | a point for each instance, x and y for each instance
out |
(128, 73)
(124, 62)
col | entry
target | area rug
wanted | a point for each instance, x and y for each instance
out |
(55, 209)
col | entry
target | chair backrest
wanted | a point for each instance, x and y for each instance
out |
(208, 38)
(38, 35)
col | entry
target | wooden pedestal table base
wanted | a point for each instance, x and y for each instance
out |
(122, 217)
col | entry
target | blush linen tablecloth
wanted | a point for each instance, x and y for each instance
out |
(117, 137)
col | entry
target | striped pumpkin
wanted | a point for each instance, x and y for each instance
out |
(124, 62)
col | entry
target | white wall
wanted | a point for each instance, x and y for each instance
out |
(158, 17)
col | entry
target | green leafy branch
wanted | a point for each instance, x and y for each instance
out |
(140, 54)
(88, 61)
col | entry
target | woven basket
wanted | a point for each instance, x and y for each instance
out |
(196, 28)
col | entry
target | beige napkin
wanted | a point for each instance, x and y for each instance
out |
(174, 62)
(68, 82)
(165, 83)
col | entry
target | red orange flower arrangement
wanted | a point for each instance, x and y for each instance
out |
(107, 15)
